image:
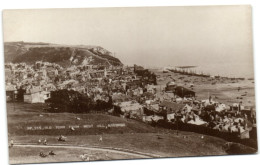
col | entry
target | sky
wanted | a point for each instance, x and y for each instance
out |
(152, 36)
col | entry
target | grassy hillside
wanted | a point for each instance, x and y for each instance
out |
(31, 155)
(168, 145)
(135, 136)
(21, 116)
(31, 52)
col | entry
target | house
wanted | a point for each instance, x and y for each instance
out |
(249, 111)
(88, 67)
(209, 101)
(166, 109)
(171, 107)
(170, 116)
(36, 95)
(49, 87)
(237, 107)
(151, 89)
(137, 91)
(151, 109)
(221, 107)
(184, 92)
(131, 107)
(46, 95)
(96, 74)
(170, 87)
(11, 92)
(149, 119)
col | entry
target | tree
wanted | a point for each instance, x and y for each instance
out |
(20, 93)
(75, 102)
(69, 101)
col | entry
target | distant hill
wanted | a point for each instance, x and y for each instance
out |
(64, 55)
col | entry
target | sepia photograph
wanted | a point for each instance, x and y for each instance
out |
(125, 83)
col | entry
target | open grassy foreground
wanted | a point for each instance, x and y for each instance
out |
(155, 144)
(168, 144)
(133, 140)
(25, 119)
(29, 154)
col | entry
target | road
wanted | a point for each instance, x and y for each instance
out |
(114, 150)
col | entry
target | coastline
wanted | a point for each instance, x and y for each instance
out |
(222, 89)
(225, 70)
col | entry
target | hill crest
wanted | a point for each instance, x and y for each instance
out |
(63, 55)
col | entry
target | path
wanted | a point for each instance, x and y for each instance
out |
(95, 148)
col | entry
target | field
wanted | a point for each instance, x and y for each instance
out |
(134, 140)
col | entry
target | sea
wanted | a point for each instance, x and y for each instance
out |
(231, 70)
(227, 70)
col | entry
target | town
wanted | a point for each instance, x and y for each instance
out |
(126, 91)
(126, 83)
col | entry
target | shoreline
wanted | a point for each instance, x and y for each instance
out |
(208, 72)
(223, 90)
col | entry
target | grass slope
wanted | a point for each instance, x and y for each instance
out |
(31, 52)
(136, 136)
(21, 115)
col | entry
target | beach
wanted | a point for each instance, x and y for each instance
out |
(222, 90)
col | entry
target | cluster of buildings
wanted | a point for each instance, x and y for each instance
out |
(34, 83)
(172, 108)
(133, 90)
(176, 103)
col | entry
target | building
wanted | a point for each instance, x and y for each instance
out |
(11, 92)
(184, 92)
(171, 107)
(168, 109)
(36, 95)
(170, 87)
